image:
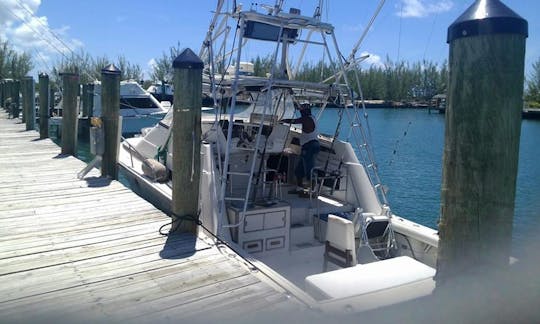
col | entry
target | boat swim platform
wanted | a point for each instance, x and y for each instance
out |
(90, 250)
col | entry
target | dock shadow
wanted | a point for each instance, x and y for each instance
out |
(97, 182)
(61, 156)
(180, 246)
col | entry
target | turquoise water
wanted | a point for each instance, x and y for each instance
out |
(408, 145)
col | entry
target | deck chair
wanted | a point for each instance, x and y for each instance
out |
(378, 234)
(340, 244)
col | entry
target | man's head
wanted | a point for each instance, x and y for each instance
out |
(305, 108)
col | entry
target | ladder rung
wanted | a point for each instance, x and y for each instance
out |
(239, 173)
(247, 149)
(234, 199)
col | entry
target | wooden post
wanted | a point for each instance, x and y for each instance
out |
(43, 105)
(29, 102)
(22, 89)
(483, 122)
(88, 99)
(187, 141)
(6, 93)
(110, 106)
(70, 84)
(51, 101)
(2, 89)
(14, 88)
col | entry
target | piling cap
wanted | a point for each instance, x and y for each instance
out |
(188, 60)
(43, 75)
(111, 69)
(487, 17)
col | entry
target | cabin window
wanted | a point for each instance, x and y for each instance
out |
(137, 103)
(262, 31)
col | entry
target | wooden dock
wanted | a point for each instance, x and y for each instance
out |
(90, 250)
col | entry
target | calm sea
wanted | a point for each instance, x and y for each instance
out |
(408, 145)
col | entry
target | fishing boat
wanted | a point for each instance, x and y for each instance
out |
(335, 244)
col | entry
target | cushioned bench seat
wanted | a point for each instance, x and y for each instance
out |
(367, 278)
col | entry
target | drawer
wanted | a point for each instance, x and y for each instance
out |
(253, 246)
(273, 243)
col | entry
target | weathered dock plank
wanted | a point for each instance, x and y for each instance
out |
(90, 250)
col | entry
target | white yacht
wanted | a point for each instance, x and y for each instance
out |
(162, 91)
(138, 108)
(336, 245)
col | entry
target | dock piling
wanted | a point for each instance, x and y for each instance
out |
(70, 84)
(15, 88)
(43, 105)
(29, 102)
(483, 122)
(186, 138)
(110, 103)
(87, 100)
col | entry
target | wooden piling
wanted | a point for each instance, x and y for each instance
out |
(2, 94)
(15, 88)
(110, 106)
(6, 94)
(29, 102)
(43, 105)
(51, 101)
(70, 84)
(186, 138)
(483, 121)
(88, 100)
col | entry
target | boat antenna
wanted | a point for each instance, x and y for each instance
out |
(368, 27)
(399, 32)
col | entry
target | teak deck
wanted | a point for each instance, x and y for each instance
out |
(90, 250)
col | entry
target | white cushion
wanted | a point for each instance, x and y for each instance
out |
(367, 278)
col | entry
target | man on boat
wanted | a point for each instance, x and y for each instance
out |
(310, 145)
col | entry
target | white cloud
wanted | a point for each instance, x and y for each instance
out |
(372, 60)
(152, 63)
(423, 8)
(27, 32)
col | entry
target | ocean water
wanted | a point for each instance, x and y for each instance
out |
(408, 146)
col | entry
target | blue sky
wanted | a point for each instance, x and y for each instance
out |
(410, 30)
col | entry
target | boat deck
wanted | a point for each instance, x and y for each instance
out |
(90, 250)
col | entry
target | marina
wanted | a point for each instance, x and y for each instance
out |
(91, 250)
(259, 196)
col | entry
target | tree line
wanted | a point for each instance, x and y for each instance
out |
(389, 81)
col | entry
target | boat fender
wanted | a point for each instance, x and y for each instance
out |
(155, 170)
